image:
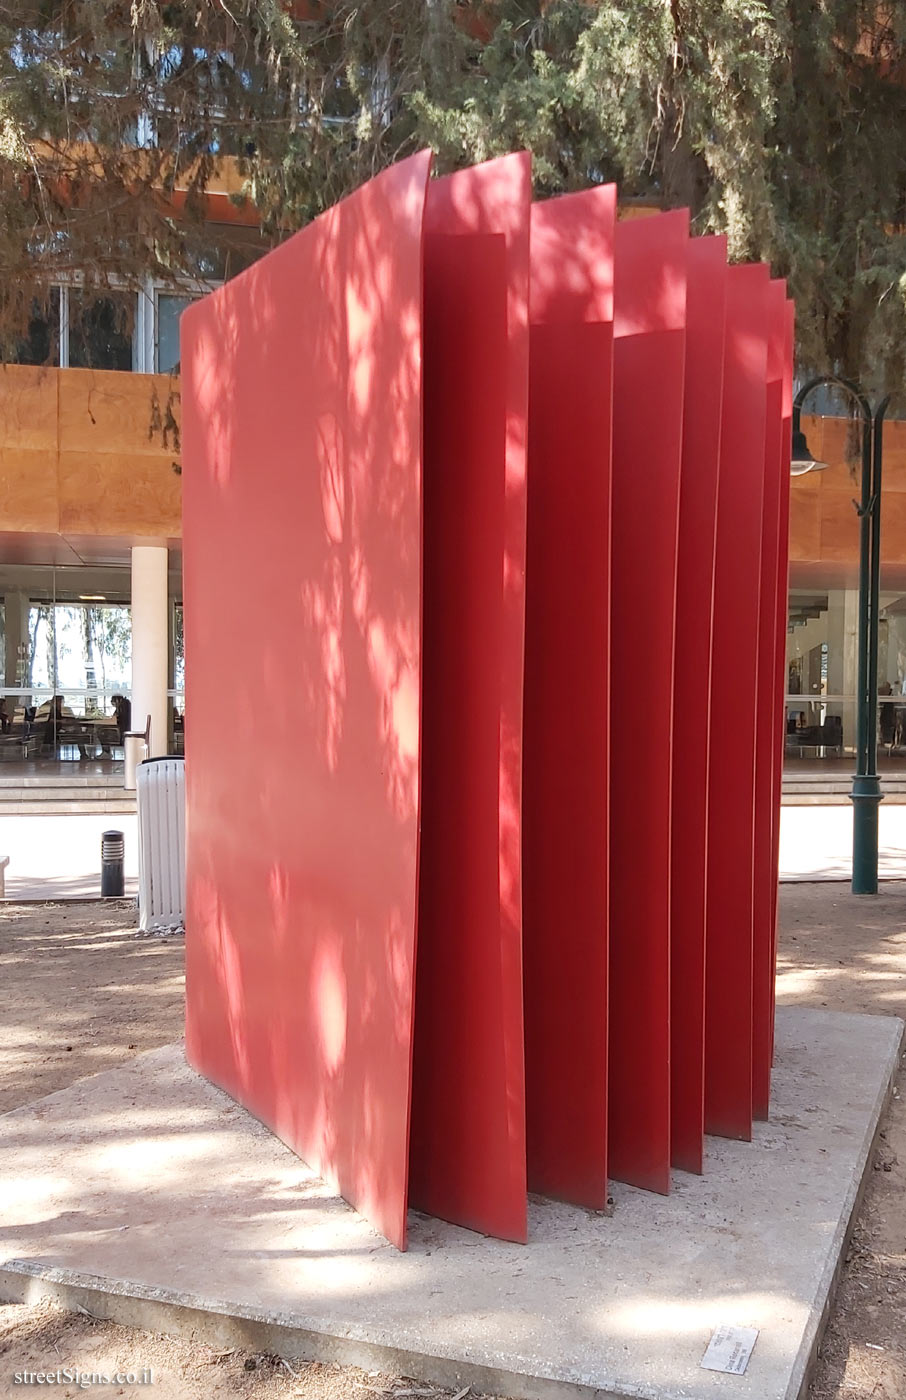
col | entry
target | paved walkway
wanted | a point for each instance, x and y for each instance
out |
(60, 857)
(816, 843)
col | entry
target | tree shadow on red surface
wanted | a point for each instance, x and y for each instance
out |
(302, 391)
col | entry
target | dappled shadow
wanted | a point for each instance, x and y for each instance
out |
(302, 395)
(78, 994)
(843, 951)
(152, 1179)
(650, 290)
(847, 952)
(572, 258)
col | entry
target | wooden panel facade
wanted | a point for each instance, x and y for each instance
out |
(96, 453)
(89, 452)
(824, 527)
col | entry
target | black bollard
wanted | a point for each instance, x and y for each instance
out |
(113, 851)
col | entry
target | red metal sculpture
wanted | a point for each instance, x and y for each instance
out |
(467, 1154)
(649, 350)
(706, 291)
(303, 384)
(567, 696)
(483, 784)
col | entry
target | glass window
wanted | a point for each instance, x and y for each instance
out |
(40, 345)
(220, 261)
(93, 647)
(66, 661)
(820, 688)
(822, 675)
(179, 652)
(101, 329)
(169, 309)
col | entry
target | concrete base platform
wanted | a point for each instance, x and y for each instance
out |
(145, 1195)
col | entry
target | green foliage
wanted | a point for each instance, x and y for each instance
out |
(838, 180)
(781, 125)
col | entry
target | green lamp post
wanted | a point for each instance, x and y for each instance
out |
(866, 790)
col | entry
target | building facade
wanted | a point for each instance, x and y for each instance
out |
(824, 601)
(90, 566)
(90, 554)
(90, 507)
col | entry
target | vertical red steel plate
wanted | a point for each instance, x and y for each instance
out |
(302, 529)
(783, 584)
(705, 300)
(467, 1159)
(767, 792)
(567, 647)
(649, 343)
(734, 684)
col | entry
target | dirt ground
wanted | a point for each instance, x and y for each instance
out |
(79, 993)
(848, 952)
(64, 970)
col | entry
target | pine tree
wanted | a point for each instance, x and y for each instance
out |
(781, 125)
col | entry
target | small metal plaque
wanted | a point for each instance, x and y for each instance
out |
(729, 1349)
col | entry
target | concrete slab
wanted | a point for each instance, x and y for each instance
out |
(146, 1195)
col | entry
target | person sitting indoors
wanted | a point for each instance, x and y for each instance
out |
(112, 728)
(122, 708)
(54, 715)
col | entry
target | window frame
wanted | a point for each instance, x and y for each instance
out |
(193, 288)
(77, 281)
(145, 329)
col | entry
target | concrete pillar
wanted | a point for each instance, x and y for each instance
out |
(150, 643)
(850, 664)
(896, 632)
(836, 642)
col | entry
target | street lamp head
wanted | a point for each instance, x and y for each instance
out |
(802, 460)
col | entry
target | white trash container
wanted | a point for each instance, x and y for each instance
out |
(161, 799)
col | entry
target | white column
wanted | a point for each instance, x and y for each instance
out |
(850, 664)
(150, 643)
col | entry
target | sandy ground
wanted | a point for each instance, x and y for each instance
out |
(79, 993)
(848, 953)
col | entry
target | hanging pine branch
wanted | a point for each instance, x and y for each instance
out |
(781, 125)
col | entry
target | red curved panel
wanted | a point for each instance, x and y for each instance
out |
(567, 696)
(467, 1157)
(705, 305)
(302, 447)
(783, 571)
(649, 350)
(734, 689)
(767, 790)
